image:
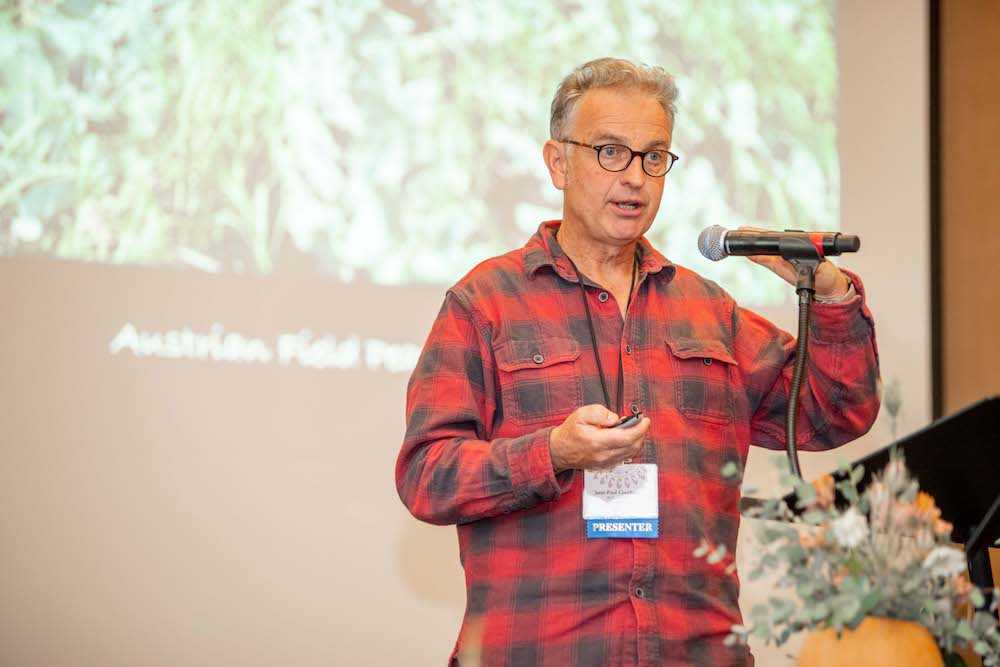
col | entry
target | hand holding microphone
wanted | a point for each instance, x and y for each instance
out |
(770, 249)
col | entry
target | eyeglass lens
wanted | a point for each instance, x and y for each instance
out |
(615, 157)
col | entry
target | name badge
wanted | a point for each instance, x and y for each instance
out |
(622, 501)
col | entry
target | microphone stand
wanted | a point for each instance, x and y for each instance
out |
(805, 287)
(805, 257)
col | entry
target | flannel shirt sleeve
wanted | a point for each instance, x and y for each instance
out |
(840, 399)
(447, 471)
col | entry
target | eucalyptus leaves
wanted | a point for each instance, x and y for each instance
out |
(886, 554)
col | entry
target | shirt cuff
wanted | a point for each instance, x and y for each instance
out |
(846, 320)
(847, 296)
(531, 472)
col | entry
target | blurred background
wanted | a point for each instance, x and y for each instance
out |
(395, 143)
(225, 228)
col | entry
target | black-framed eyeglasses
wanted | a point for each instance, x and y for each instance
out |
(617, 157)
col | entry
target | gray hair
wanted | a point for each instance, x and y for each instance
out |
(610, 73)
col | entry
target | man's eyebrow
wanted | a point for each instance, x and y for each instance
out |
(608, 137)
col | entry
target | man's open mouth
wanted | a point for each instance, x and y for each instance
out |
(628, 204)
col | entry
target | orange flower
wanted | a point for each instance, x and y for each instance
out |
(811, 538)
(926, 510)
(961, 584)
(942, 527)
(824, 487)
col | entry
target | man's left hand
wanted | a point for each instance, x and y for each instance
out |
(831, 282)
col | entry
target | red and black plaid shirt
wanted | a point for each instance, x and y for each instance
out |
(509, 357)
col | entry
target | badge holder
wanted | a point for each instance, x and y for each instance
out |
(622, 501)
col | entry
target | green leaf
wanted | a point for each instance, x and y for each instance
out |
(977, 598)
(854, 566)
(869, 601)
(814, 517)
(818, 611)
(782, 609)
(806, 493)
(846, 610)
(717, 555)
(849, 492)
(857, 474)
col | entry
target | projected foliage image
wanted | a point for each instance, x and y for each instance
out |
(392, 142)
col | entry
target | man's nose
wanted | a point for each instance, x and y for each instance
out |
(633, 174)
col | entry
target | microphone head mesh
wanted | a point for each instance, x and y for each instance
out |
(711, 242)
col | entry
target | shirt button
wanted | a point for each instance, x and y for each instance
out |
(707, 361)
(602, 297)
(639, 593)
(538, 358)
(628, 348)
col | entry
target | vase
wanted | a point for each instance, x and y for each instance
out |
(877, 642)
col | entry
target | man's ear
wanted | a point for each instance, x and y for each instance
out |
(554, 154)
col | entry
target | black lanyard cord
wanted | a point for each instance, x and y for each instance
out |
(593, 337)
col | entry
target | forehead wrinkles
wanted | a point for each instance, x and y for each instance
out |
(635, 132)
(639, 124)
(635, 117)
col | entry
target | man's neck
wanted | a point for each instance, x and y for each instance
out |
(607, 265)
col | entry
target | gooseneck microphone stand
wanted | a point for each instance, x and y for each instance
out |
(805, 257)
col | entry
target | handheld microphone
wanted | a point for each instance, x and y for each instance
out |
(717, 243)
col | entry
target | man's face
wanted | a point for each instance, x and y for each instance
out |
(610, 208)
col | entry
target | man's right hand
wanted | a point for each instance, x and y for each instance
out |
(586, 440)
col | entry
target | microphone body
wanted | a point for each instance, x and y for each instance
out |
(717, 243)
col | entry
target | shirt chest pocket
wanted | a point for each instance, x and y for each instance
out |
(703, 378)
(539, 379)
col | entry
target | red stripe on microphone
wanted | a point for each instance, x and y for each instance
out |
(817, 240)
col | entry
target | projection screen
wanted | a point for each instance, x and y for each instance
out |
(225, 228)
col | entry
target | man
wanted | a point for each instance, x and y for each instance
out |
(536, 354)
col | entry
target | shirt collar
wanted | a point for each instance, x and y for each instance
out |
(543, 249)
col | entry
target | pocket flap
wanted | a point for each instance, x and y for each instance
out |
(513, 355)
(691, 348)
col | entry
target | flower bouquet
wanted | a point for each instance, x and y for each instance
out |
(885, 554)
